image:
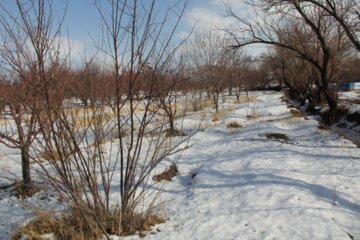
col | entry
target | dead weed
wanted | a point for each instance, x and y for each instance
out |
(166, 175)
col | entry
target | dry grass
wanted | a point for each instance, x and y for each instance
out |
(21, 191)
(296, 113)
(218, 115)
(73, 226)
(166, 175)
(85, 116)
(61, 226)
(2, 121)
(86, 119)
(207, 102)
(50, 156)
(245, 99)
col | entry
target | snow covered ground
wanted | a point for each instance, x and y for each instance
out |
(238, 184)
(249, 187)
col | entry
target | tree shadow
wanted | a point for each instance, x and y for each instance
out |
(238, 180)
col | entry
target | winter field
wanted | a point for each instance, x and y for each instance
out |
(259, 171)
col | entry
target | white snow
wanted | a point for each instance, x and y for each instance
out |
(237, 184)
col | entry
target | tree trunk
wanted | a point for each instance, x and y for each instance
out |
(332, 103)
(216, 101)
(25, 164)
(171, 122)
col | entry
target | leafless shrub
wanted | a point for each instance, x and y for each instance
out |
(88, 165)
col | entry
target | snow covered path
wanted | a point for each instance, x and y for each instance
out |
(237, 184)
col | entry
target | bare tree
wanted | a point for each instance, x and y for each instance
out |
(296, 73)
(346, 13)
(207, 54)
(236, 68)
(169, 89)
(288, 20)
(29, 56)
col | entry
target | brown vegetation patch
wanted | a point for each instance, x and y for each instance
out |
(87, 119)
(73, 226)
(166, 175)
(245, 99)
(20, 190)
(277, 136)
(208, 102)
(51, 156)
(218, 115)
(296, 113)
(234, 125)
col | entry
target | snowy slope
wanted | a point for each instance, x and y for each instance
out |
(249, 187)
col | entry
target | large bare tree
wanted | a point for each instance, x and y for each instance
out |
(284, 24)
(29, 57)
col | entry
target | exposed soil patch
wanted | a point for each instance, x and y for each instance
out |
(277, 136)
(234, 125)
(329, 119)
(353, 117)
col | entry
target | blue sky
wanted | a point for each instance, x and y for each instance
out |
(82, 20)
(82, 17)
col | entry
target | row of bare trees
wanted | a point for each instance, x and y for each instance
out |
(214, 68)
